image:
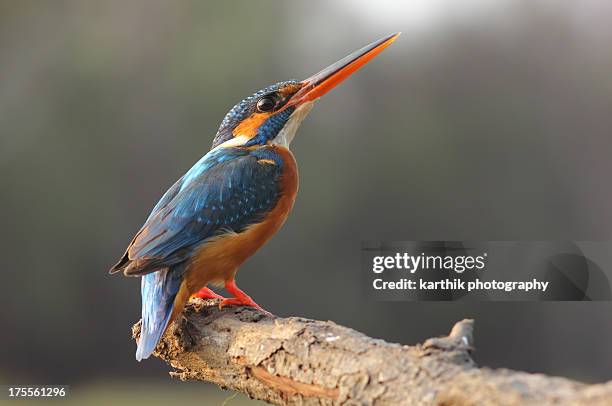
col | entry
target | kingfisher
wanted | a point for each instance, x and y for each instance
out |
(229, 203)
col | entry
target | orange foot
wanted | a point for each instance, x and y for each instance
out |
(240, 298)
(206, 293)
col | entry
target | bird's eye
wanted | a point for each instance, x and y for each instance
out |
(265, 104)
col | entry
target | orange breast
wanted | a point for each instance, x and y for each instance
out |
(219, 259)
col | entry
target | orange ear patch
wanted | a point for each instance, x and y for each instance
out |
(251, 124)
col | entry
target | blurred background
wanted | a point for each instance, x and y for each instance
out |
(484, 121)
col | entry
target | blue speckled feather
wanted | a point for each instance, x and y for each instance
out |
(227, 190)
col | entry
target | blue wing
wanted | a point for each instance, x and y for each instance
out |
(227, 190)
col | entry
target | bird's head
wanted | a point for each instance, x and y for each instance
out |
(273, 115)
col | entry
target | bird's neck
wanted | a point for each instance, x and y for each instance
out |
(287, 133)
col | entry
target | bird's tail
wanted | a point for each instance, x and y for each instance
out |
(159, 290)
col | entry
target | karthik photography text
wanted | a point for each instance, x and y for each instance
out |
(419, 267)
(458, 284)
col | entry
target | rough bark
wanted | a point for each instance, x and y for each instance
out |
(289, 361)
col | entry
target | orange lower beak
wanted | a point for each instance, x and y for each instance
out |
(330, 77)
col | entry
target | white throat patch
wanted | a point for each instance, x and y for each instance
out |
(286, 135)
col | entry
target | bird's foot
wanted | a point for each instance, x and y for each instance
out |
(240, 299)
(240, 302)
(206, 293)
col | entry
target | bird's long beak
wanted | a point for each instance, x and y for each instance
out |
(330, 77)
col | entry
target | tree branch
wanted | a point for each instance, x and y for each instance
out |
(293, 360)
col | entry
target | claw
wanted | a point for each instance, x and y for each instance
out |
(206, 293)
(240, 299)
